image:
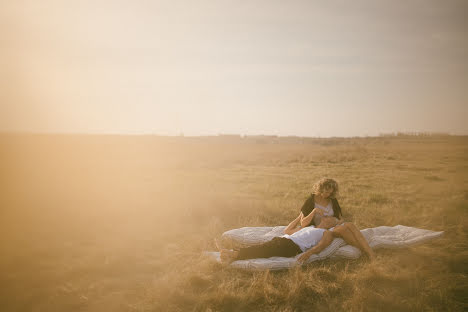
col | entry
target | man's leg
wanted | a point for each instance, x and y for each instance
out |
(277, 247)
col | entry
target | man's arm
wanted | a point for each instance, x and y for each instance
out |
(326, 240)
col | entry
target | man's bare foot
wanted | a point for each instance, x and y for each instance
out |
(228, 256)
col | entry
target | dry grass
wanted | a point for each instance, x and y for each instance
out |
(119, 223)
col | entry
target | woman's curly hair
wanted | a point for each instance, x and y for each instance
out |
(323, 184)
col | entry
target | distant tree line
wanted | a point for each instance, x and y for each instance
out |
(412, 134)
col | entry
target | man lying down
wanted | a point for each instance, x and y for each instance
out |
(306, 240)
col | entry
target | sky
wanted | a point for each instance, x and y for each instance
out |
(305, 68)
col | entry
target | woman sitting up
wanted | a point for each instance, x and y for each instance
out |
(322, 210)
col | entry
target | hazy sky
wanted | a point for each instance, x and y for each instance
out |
(308, 68)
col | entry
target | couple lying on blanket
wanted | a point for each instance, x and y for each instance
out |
(318, 223)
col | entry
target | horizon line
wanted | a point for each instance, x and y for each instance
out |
(236, 135)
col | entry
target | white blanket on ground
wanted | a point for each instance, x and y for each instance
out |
(379, 237)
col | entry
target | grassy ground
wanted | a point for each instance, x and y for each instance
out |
(119, 223)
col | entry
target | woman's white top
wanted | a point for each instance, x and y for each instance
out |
(327, 211)
(307, 237)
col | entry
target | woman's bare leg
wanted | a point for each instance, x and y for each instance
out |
(343, 232)
(364, 245)
(346, 232)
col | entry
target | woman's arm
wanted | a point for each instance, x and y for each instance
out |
(305, 221)
(340, 221)
(292, 227)
(329, 222)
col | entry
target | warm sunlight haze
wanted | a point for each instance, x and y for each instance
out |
(279, 156)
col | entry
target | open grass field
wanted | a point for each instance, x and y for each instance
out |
(119, 223)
